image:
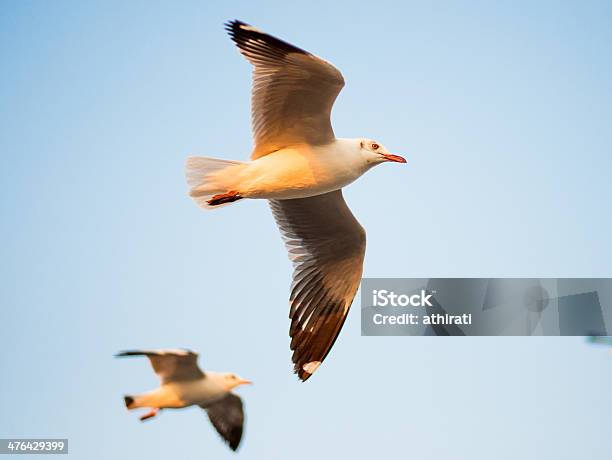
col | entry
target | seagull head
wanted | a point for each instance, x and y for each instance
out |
(231, 380)
(374, 152)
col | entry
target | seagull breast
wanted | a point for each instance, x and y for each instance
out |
(301, 171)
(198, 391)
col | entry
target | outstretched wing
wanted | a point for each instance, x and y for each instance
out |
(293, 91)
(327, 246)
(227, 417)
(171, 365)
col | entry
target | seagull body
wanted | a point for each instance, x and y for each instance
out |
(299, 171)
(299, 165)
(183, 384)
(180, 394)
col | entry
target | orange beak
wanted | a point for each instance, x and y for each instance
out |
(395, 158)
(245, 382)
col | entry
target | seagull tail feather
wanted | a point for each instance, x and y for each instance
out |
(211, 178)
(129, 401)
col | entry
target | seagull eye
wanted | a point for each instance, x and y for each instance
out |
(375, 146)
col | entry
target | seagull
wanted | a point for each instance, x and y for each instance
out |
(299, 165)
(183, 384)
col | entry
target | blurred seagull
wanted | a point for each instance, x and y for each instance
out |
(300, 166)
(599, 339)
(183, 384)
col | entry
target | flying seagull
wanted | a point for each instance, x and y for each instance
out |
(183, 384)
(600, 340)
(300, 167)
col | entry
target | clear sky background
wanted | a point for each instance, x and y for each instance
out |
(504, 111)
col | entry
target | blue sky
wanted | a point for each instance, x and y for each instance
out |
(503, 110)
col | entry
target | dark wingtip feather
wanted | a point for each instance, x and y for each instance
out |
(234, 438)
(232, 23)
(234, 26)
(241, 33)
(128, 353)
(303, 375)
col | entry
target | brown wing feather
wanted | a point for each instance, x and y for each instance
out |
(293, 91)
(227, 417)
(327, 246)
(171, 365)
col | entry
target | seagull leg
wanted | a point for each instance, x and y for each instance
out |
(223, 198)
(149, 415)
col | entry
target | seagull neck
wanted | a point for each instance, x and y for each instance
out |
(217, 378)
